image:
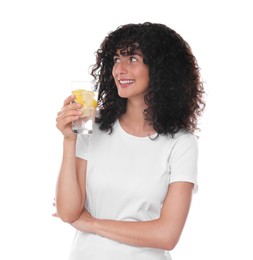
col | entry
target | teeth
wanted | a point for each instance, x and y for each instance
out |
(126, 81)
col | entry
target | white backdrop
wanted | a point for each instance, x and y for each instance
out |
(46, 44)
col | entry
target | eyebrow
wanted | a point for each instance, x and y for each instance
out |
(127, 54)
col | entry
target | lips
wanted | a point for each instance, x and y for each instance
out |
(125, 82)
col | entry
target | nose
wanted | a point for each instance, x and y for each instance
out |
(121, 67)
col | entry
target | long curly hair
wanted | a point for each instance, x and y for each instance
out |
(175, 93)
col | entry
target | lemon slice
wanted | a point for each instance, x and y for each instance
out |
(94, 103)
(86, 99)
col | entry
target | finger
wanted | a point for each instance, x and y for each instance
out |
(74, 107)
(68, 110)
(68, 115)
(65, 122)
(70, 106)
(68, 100)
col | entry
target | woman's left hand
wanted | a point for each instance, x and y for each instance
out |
(55, 213)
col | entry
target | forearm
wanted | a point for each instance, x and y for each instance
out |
(144, 234)
(69, 201)
(162, 233)
(155, 233)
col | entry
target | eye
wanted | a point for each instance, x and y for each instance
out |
(133, 59)
(116, 59)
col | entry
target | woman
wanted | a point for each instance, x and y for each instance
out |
(127, 188)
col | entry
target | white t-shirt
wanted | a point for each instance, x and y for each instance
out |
(127, 179)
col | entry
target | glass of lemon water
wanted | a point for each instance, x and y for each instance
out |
(86, 94)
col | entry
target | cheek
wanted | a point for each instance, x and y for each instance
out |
(114, 72)
(145, 77)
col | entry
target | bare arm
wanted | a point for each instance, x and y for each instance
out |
(161, 233)
(70, 188)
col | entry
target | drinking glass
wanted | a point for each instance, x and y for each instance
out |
(86, 93)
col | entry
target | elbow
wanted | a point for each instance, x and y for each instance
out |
(67, 217)
(168, 237)
(169, 246)
(67, 212)
(168, 243)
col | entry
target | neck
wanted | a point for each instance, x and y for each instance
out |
(133, 121)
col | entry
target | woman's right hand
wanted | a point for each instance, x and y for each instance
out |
(68, 113)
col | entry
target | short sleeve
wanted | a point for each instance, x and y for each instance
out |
(82, 146)
(184, 160)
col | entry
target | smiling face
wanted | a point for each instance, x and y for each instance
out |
(130, 74)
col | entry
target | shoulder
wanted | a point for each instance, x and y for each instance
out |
(184, 143)
(186, 138)
(181, 138)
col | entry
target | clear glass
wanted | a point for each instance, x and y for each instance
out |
(86, 93)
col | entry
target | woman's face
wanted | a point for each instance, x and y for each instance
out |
(130, 74)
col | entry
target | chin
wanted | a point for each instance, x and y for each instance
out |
(123, 94)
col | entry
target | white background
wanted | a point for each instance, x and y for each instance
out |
(46, 44)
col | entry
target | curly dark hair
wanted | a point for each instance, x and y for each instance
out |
(175, 93)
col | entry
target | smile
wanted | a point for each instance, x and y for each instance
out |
(125, 83)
